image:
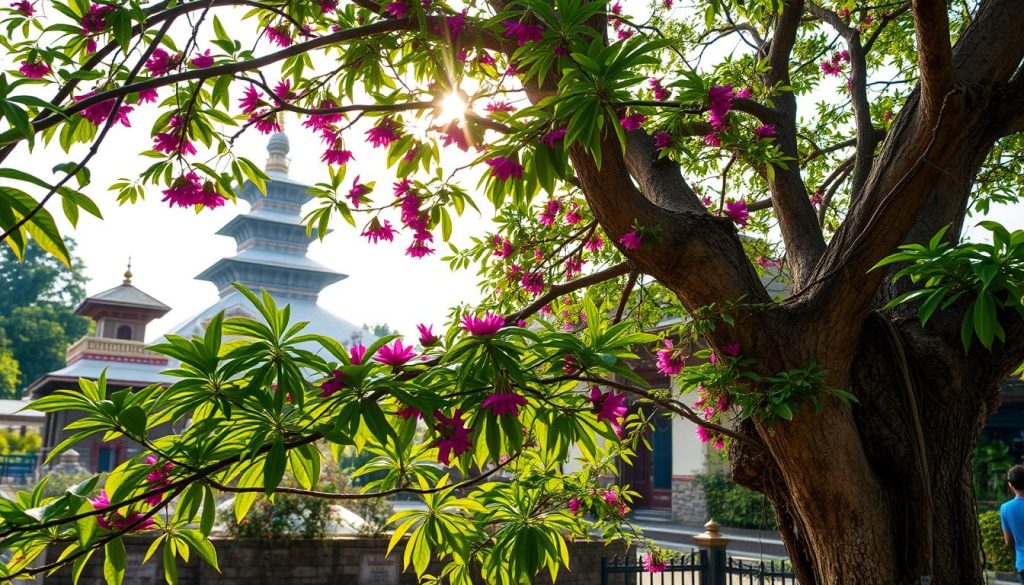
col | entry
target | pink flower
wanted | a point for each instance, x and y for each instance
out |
(523, 33)
(408, 412)
(97, 114)
(660, 93)
(670, 362)
(376, 231)
(609, 406)
(418, 249)
(327, 6)
(574, 506)
(502, 247)
(610, 497)
(455, 134)
(95, 20)
(265, 121)
(768, 263)
(280, 35)
(184, 191)
(489, 324)
(632, 121)
(652, 564)
(844, 12)
(251, 100)
(427, 337)
(712, 140)
(333, 384)
(455, 24)
(499, 107)
(505, 168)
(731, 349)
(719, 104)
(397, 9)
(703, 434)
(764, 131)
(573, 217)
(533, 283)
(743, 93)
(662, 140)
(631, 240)
(394, 355)
(502, 403)
(160, 62)
(667, 4)
(322, 122)
(737, 212)
(335, 155)
(817, 197)
(573, 266)
(384, 133)
(554, 136)
(617, 8)
(357, 353)
(831, 68)
(843, 56)
(34, 69)
(624, 33)
(358, 191)
(594, 244)
(147, 96)
(202, 61)
(283, 91)
(453, 436)
(24, 7)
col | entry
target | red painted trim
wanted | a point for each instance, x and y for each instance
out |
(684, 477)
(157, 361)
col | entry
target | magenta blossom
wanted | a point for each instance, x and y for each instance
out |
(395, 355)
(817, 197)
(397, 9)
(737, 212)
(357, 192)
(328, 6)
(503, 403)
(743, 93)
(333, 384)
(453, 436)
(574, 506)
(594, 244)
(662, 140)
(660, 93)
(499, 107)
(764, 131)
(489, 324)
(97, 114)
(610, 497)
(719, 104)
(335, 155)
(34, 69)
(24, 7)
(202, 61)
(573, 217)
(670, 362)
(652, 564)
(376, 231)
(632, 122)
(357, 353)
(147, 96)
(502, 247)
(533, 283)
(631, 240)
(831, 68)
(418, 249)
(553, 137)
(280, 35)
(187, 191)
(95, 20)
(160, 62)
(523, 33)
(251, 100)
(384, 133)
(408, 412)
(731, 349)
(505, 168)
(712, 140)
(427, 336)
(609, 406)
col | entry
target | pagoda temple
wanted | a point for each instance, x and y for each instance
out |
(121, 315)
(272, 242)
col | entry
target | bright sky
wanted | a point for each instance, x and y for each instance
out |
(170, 246)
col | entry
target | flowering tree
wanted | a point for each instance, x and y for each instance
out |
(642, 162)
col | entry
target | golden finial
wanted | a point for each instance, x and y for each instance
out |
(128, 273)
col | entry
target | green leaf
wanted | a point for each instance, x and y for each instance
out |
(170, 564)
(114, 561)
(273, 470)
(133, 419)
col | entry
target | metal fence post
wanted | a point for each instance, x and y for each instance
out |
(712, 541)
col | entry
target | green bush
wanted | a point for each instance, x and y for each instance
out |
(15, 443)
(997, 556)
(731, 504)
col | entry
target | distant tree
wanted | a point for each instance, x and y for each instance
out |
(38, 296)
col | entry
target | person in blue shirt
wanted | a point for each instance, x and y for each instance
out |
(1012, 516)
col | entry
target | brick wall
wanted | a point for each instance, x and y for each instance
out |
(342, 561)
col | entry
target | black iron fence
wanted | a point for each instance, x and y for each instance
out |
(710, 565)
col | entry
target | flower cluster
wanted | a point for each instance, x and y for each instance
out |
(161, 62)
(610, 407)
(384, 133)
(503, 403)
(522, 32)
(670, 360)
(659, 92)
(395, 355)
(117, 522)
(34, 69)
(504, 168)
(187, 191)
(98, 113)
(489, 324)
(453, 436)
(159, 478)
(174, 142)
(331, 385)
(737, 212)
(712, 409)
(415, 219)
(834, 66)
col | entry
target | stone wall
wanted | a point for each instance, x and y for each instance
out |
(342, 561)
(688, 502)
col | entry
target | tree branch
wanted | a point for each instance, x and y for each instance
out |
(565, 288)
(934, 54)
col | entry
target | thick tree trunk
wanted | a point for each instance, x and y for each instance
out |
(882, 492)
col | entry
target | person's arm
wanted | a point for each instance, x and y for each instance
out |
(1007, 535)
(1008, 539)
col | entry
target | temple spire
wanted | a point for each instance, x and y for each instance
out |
(128, 273)
(277, 151)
